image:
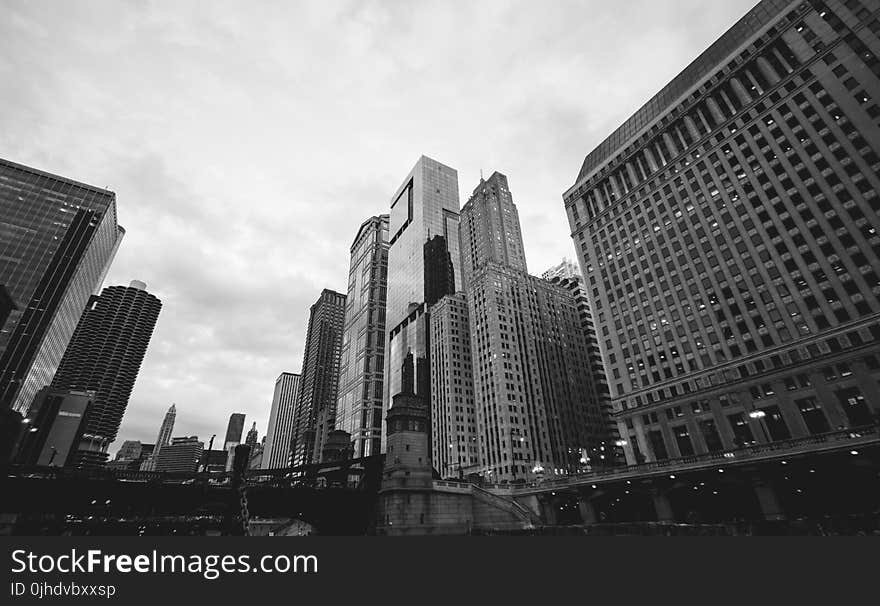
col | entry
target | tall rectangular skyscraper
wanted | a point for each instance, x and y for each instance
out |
(729, 238)
(455, 447)
(535, 412)
(104, 356)
(234, 429)
(279, 434)
(57, 238)
(359, 407)
(425, 206)
(315, 414)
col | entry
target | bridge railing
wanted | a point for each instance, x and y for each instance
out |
(825, 441)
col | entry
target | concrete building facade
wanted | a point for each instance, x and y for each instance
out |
(728, 237)
(454, 448)
(315, 413)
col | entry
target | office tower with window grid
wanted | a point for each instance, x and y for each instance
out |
(104, 356)
(183, 455)
(535, 412)
(728, 237)
(453, 415)
(315, 414)
(568, 276)
(279, 434)
(359, 408)
(57, 239)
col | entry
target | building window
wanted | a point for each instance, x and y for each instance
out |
(742, 433)
(813, 415)
(683, 439)
(775, 424)
(855, 406)
(711, 436)
(658, 445)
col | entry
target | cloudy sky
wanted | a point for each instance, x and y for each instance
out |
(246, 142)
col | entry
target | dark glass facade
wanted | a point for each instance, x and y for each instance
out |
(234, 429)
(728, 235)
(57, 238)
(439, 270)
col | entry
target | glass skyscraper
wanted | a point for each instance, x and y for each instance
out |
(426, 205)
(728, 237)
(359, 408)
(57, 238)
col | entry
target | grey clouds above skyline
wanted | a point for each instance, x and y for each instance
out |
(246, 143)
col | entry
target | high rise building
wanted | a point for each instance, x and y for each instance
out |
(425, 206)
(359, 405)
(453, 415)
(104, 356)
(567, 269)
(162, 439)
(491, 230)
(279, 434)
(728, 235)
(234, 429)
(183, 455)
(251, 439)
(535, 412)
(129, 451)
(567, 275)
(57, 238)
(315, 413)
(167, 427)
(55, 423)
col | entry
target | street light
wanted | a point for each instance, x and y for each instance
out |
(759, 415)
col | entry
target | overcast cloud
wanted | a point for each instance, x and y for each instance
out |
(247, 141)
